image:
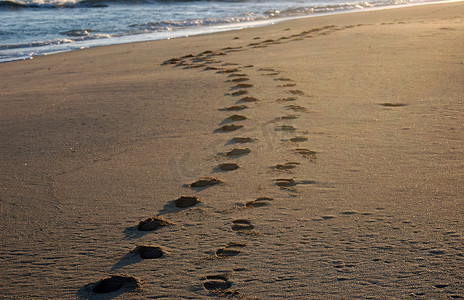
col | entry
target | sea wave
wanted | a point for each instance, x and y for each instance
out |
(11, 4)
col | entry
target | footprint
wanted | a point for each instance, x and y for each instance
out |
(241, 79)
(248, 99)
(284, 182)
(227, 71)
(288, 99)
(172, 61)
(231, 127)
(206, 181)
(238, 93)
(259, 202)
(186, 201)
(217, 283)
(306, 153)
(228, 166)
(230, 249)
(116, 283)
(289, 117)
(238, 152)
(237, 118)
(237, 75)
(283, 79)
(296, 108)
(287, 166)
(393, 104)
(152, 224)
(242, 86)
(266, 70)
(298, 139)
(286, 128)
(240, 225)
(149, 252)
(234, 108)
(296, 92)
(242, 140)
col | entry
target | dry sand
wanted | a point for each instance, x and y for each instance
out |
(356, 144)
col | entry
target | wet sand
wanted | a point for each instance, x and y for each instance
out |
(312, 159)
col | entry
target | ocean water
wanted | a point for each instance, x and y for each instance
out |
(36, 27)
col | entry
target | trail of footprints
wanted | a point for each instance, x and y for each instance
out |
(239, 92)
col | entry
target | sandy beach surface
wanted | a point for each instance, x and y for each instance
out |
(332, 149)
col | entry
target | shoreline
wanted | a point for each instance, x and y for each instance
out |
(140, 38)
(334, 145)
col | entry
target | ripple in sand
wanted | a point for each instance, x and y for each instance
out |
(117, 282)
(186, 201)
(206, 181)
(152, 224)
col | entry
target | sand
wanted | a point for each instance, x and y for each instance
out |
(344, 179)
